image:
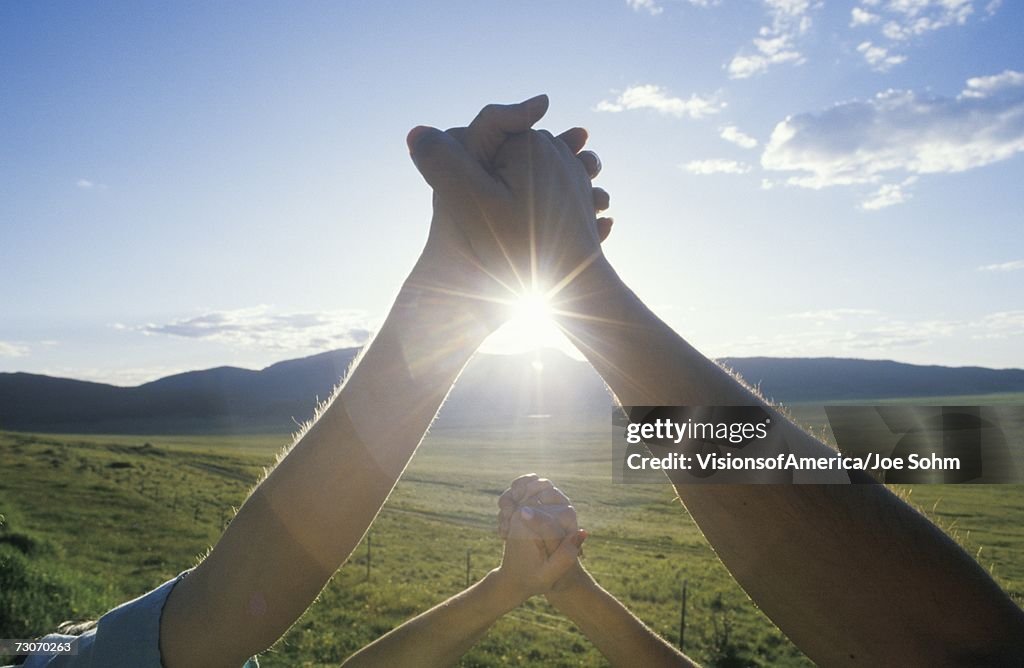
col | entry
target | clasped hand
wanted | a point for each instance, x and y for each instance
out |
(514, 209)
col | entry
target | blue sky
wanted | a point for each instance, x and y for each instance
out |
(185, 186)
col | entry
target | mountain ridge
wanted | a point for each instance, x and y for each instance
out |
(492, 389)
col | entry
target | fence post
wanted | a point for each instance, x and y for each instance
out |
(682, 620)
(467, 567)
(369, 553)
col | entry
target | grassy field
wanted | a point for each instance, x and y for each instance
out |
(88, 522)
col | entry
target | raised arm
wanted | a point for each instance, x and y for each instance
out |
(301, 522)
(850, 573)
(440, 636)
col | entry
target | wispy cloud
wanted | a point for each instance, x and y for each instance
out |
(979, 87)
(650, 96)
(889, 194)
(999, 325)
(715, 166)
(11, 349)
(862, 17)
(900, 21)
(776, 42)
(88, 184)
(1013, 265)
(833, 314)
(261, 328)
(900, 134)
(878, 57)
(649, 6)
(910, 18)
(734, 135)
(860, 332)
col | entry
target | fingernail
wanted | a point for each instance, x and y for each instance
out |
(580, 536)
(414, 136)
(526, 512)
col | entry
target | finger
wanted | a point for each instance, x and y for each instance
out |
(565, 557)
(518, 487)
(602, 200)
(447, 167)
(532, 488)
(591, 163)
(553, 497)
(547, 528)
(604, 228)
(575, 139)
(506, 500)
(488, 130)
(563, 514)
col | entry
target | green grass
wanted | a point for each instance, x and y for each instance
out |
(91, 521)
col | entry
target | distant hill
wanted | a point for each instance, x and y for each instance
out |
(492, 389)
(835, 379)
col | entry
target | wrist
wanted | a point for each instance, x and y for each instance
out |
(503, 591)
(570, 588)
(590, 291)
(445, 283)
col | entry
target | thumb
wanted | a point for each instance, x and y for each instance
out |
(446, 166)
(562, 559)
(488, 130)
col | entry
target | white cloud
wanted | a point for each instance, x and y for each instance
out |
(862, 17)
(731, 133)
(86, 184)
(901, 21)
(910, 18)
(649, 96)
(716, 166)
(1013, 265)
(650, 6)
(905, 19)
(832, 314)
(986, 86)
(896, 135)
(878, 57)
(887, 195)
(775, 43)
(879, 335)
(261, 328)
(999, 325)
(9, 349)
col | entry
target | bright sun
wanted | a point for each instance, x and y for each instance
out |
(532, 311)
(531, 326)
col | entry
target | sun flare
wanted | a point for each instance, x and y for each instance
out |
(531, 326)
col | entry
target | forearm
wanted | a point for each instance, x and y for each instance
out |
(646, 363)
(440, 636)
(844, 570)
(854, 576)
(623, 639)
(301, 523)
